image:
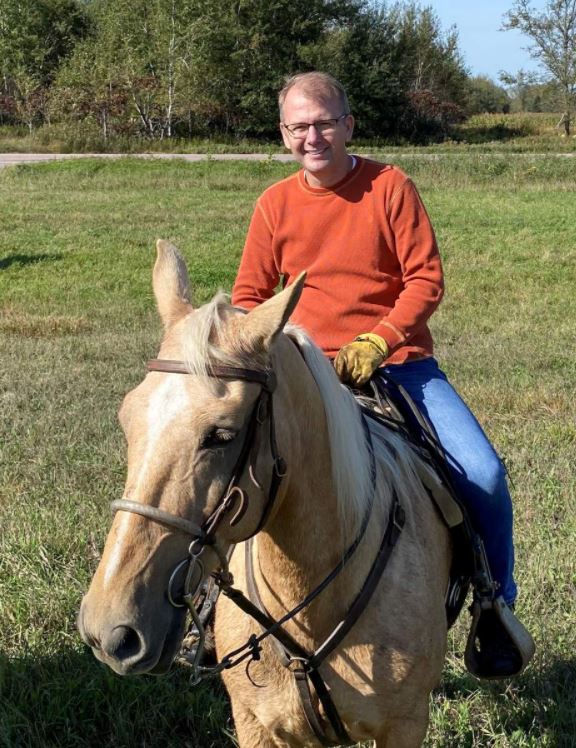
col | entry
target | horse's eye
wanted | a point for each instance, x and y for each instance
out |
(217, 438)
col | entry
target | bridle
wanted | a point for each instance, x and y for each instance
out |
(303, 664)
(233, 497)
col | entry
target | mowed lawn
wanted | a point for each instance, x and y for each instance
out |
(77, 324)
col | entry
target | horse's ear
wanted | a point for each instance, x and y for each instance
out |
(264, 322)
(170, 283)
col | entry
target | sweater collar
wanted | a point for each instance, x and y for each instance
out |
(357, 164)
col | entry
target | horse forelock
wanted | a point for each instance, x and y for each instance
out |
(209, 341)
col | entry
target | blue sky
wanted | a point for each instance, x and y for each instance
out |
(486, 50)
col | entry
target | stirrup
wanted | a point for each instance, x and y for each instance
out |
(517, 637)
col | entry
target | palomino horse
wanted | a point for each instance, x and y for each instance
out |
(185, 437)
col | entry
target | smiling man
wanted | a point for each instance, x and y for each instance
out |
(374, 277)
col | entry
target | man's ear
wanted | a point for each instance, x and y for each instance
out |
(170, 283)
(263, 323)
(349, 122)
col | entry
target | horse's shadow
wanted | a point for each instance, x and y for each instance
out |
(540, 703)
(70, 700)
(23, 260)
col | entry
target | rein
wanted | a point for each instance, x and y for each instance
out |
(304, 665)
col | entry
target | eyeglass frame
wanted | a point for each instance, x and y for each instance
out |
(308, 125)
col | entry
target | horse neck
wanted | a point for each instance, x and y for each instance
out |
(305, 539)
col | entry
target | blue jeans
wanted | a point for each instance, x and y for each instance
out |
(478, 473)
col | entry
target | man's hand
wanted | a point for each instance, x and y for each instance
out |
(357, 361)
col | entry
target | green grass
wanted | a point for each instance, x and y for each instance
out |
(77, 323)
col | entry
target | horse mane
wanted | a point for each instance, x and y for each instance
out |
(351, 460)
(350, 454)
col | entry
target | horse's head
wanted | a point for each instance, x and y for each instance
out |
(191, 437)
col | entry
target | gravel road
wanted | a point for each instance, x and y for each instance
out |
(10, 159)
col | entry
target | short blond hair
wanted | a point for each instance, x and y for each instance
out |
(317, 86)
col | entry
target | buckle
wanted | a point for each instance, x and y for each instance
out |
(271, 381)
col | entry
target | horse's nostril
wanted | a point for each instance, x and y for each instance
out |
(122, 643)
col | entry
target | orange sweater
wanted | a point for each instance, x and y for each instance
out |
(370, 254)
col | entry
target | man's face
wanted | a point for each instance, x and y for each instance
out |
(322, 154)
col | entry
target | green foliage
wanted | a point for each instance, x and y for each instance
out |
(486, 97)
(404, 75)
(552, 32)
(35, 36)
(173, 68)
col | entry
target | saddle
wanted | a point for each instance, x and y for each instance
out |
(390, 405)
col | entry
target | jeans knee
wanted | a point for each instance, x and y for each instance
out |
(484, 485)
(494, 477)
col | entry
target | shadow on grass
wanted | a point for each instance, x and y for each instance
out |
(69, 700)
(23, 260)
(542, 702)
(500, 132)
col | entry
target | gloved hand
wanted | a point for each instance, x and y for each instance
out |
(357, 361)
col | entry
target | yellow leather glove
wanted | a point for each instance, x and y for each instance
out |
(357, 361)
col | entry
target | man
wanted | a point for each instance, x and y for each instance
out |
(374, 277)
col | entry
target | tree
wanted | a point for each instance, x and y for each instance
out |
(132, 75)
(553, 34)
(35, 37)
(403, 74)
(486, 96)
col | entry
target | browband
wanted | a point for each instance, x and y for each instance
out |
(266, 378)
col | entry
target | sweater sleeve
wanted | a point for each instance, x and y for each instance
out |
(415, 246)
(257, 275)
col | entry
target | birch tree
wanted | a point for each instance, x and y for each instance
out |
(553, 35)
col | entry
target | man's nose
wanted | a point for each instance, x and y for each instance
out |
(314, 135)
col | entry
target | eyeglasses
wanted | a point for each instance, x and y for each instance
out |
(325, 126)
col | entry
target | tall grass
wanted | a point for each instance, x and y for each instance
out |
(521, 132)
(77, 324)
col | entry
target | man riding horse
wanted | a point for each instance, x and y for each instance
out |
(374, 277)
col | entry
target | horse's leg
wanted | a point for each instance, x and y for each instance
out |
(408, 732)
(249, 730)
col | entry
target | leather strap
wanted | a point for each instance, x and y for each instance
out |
(291, 652)
(164, 518)
(266, 378)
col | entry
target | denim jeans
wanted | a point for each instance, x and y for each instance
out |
(478, 473)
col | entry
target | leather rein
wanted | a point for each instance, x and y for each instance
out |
(303, 664)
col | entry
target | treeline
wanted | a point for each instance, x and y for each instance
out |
(166, 68)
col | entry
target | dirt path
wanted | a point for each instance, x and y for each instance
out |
(10, 159)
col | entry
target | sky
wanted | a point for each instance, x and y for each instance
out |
(485, 49)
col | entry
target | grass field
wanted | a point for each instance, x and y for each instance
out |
(77, 323)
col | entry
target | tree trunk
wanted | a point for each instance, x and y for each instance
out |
(104, 120)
